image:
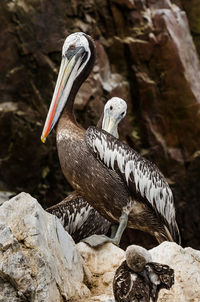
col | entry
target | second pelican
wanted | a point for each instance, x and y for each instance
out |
(120, 184)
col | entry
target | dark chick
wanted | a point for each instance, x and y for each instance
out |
(138, 279)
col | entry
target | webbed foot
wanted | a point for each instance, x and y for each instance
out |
(98, 240)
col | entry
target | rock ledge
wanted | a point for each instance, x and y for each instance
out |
(39, 262)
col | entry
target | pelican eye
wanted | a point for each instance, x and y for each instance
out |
(122, 114)
(111, 107)
(72, 47)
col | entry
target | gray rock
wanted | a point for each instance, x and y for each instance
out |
(38, 259)
(8, 292)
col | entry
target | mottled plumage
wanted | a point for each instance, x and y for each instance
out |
(133, 285)
(119, 183)
(78, 218)
(144, 180)
(130, 287)
(161, 276)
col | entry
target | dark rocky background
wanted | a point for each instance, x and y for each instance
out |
(147, 54)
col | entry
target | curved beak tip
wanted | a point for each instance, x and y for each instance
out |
(43, 139)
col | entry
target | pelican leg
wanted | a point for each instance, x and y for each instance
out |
(123, 220)
(98, 240)
(114, 228)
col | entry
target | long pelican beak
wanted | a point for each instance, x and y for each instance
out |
(69, 67)
(109, 124)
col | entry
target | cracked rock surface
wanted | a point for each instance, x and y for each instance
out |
(104, 261)
(147, 53)
(38, 259)
(39, 262)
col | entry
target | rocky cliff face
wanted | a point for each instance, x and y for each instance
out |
(39, 262)
(145, 54)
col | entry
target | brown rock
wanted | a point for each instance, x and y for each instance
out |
(145, 55)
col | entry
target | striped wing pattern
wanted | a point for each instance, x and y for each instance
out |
(79, 219)
(148, 180)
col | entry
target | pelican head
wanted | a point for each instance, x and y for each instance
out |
(78, 56)
(137, 257)
(114, 111)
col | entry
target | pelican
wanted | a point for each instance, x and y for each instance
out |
(138, 279)
(121, 185)
(78, 218)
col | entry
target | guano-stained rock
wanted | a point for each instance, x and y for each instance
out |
(103, 262)
(38, 259)
(186, 264)
(145, 54)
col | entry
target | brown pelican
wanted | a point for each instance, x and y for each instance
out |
(78, 218)
(120, 184)
(138, 279)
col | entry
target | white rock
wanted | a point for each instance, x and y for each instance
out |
(186, 264)
(37, 256)
(102, 262)
(103, 259)
(102, 298)
(39, 261)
